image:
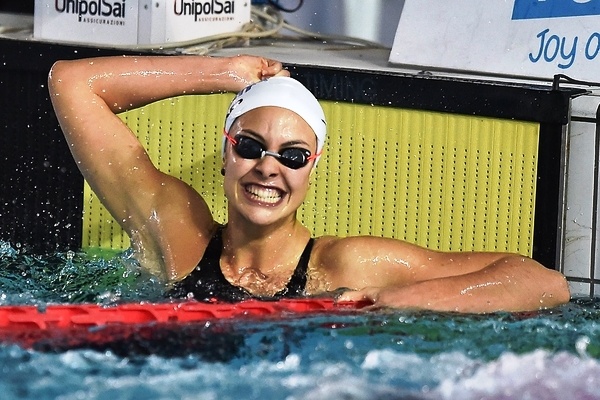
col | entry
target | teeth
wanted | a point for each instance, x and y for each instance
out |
(264, 195)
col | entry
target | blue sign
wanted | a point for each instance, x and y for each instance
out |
(535, 9)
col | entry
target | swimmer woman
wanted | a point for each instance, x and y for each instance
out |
(274, 134)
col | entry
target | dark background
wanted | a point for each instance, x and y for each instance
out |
(17, 6)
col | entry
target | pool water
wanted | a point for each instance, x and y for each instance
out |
(552, 354)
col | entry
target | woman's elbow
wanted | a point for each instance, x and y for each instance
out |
(56, 71)
(61, 72)
(556, 290)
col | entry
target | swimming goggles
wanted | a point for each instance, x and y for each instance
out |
(251, 149)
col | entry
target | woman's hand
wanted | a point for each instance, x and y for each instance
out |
(373, 297)
(245, 70)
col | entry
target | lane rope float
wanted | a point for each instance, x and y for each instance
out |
(63, 326)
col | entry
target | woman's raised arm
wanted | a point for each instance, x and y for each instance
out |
(87, 94)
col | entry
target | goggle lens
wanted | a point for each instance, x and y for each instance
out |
(251, 149)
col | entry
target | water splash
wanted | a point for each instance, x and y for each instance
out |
(376, 355)
(72, 277)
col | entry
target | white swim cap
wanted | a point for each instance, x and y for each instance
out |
(284, 92)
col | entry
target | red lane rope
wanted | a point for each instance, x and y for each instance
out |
(62, 327)
(90, 315)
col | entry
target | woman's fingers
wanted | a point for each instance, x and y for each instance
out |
(273, 68)
(363, 295)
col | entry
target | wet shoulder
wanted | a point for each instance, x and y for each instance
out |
(331, 255)
(337, 263)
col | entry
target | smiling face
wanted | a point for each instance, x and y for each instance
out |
(264, 191)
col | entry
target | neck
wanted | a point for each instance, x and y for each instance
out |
(242, 235)
(264, 248)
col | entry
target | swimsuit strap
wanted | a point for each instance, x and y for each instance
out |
(297, 283)
(206, 281)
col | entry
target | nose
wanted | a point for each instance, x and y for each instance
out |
(268, 165)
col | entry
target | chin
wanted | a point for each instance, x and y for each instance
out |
(267, 217)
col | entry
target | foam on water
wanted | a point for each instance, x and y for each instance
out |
(86, 374)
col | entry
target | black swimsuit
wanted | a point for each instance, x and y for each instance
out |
(207, 282)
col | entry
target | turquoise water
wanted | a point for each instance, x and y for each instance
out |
(373, 355)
